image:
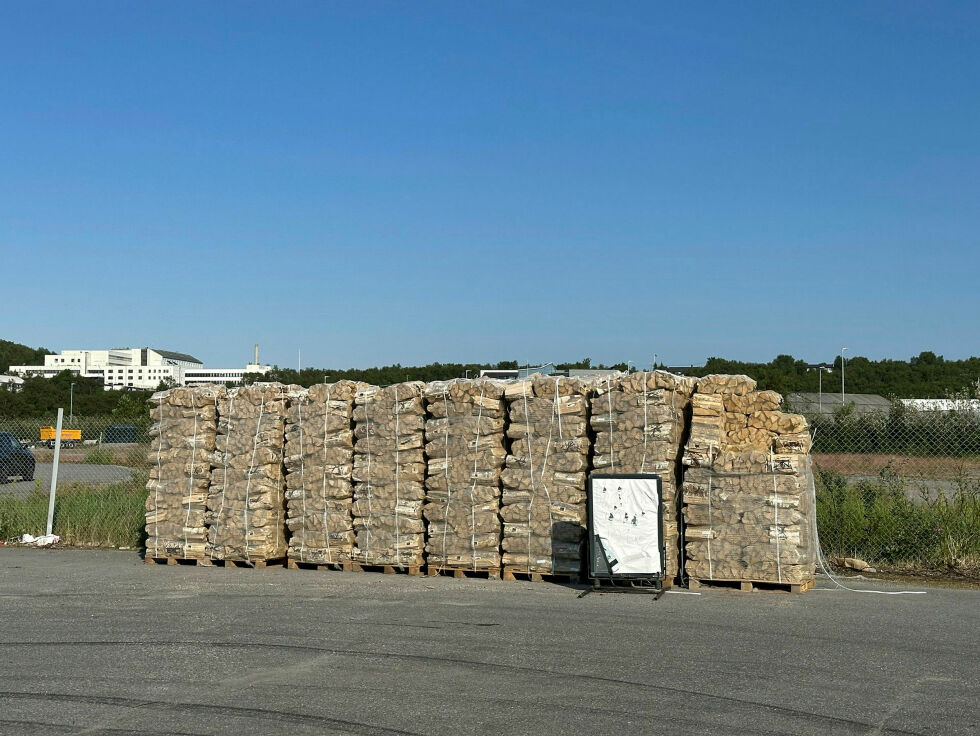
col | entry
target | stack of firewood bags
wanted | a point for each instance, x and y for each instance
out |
(747, 509)
(640, 420)
(466, 449)
(544, 482)
(246, 503)
(389, 470)
(182, 440)
(319, 464)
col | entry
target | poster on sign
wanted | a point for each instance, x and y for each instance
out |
(625, 524)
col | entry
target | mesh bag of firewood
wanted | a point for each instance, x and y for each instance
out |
(319, 459)
(543, 504)
(246, 503)
(466, 449)
(748, 512)
(639, 422)
(389, 470)
(182, 440)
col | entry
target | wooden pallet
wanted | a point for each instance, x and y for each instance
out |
(512, 572)
(207, 562)
(192, 561)
(747, 586)
(386, 569)
(486, 573)
(301, 565)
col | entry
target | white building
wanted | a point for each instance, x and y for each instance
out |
(11, 383)
(220, 376)
(136, 368)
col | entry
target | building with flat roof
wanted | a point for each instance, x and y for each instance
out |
(137, 368)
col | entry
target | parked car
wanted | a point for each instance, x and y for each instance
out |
(15, 459)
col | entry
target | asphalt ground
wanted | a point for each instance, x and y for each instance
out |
(68, 473)
(96, 642)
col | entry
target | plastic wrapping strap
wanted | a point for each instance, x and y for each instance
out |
(280, 479)
(449, 490)
(190, 490)
(302, 475)
(530, 461)
(646, 424)
(251, 469)
(476, 462)
(323, 485)
(558, 408)
(398, 538)
(156, 490)
(612, 442)
(224, 479)
(775, 514)
(711, 574)
(367, 523)
(555, 410)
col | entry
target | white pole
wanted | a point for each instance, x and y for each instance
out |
(842, 376)
(820, 394)
(54, 471)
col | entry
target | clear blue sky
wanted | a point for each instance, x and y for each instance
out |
(476, 181)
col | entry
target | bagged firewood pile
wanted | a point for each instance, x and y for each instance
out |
(544, 481)
(182, 441)
(246, 502)
(319, 459)
(466, 449)
(639, 420)
(389, 474)
(747, 509)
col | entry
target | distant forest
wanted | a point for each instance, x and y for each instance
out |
(926, 375)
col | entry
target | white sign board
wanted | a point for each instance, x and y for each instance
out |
(626, 518)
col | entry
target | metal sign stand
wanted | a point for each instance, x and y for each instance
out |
(610, 584)
(600, 569)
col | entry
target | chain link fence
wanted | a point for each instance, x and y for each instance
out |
(102, 473)
(900, 490)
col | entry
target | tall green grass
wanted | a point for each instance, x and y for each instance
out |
(878, 522)
(100, 516)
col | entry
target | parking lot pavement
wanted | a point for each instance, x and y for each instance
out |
(68, 473)
(96, 642)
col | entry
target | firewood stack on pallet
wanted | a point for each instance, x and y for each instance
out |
(640, 420)
(466, 450)
(319, 458)
(747, 509)
(544, 482)
(246, 503)
(182, 440)
(389, 470)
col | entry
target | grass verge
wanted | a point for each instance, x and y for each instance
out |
(84, 516)
(878, 522)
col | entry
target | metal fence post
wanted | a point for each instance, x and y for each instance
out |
(54, 471)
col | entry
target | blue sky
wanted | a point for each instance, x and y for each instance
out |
(460, 181)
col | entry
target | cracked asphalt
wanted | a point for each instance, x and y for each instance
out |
(96, 642)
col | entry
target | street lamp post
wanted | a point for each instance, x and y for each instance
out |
(820, 391)
(842, 376)
(628, 364)
(71, 402)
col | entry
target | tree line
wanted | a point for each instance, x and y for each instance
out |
(926, 375)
